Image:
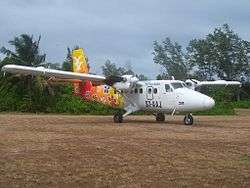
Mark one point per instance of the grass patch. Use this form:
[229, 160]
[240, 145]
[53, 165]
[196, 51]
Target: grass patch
[225, 108]
[241, 104]
[245, 159]
[219, 109]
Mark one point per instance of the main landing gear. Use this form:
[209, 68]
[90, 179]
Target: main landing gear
[160, 117]
[188, 119]
[118, 118]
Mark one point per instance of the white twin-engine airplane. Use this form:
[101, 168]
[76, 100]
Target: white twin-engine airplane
[157, 96]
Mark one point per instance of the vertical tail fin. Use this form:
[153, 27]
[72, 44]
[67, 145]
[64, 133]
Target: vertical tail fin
[80, 65]
[80, 61]
[103, 93]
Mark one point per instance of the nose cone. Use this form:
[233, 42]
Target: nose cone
[192, 101]
[208, 102]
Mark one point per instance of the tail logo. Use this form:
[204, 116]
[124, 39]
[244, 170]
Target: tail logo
[79, 61]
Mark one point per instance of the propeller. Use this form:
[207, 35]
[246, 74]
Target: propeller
[124, 82]
[111, 80]
[191, 83]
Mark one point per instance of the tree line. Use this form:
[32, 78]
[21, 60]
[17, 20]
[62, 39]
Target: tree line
[221, 54]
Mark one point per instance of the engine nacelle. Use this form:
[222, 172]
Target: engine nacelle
[128, 83]
[191, 83]
[122, 85]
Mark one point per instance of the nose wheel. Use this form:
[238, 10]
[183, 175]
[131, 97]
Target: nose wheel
[188, 119]
[160, 117]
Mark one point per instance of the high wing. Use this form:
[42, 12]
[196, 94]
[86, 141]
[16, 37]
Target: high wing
[52, 73]
[193, 84]
[124, 82]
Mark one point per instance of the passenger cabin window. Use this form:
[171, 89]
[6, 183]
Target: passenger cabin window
[106, 89]
[167, 87]
[140, 90]
[177, 85]
[149, 91]
[155, 90]
[136, 90]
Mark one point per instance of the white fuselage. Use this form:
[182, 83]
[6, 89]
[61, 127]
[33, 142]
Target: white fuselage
[168, 96]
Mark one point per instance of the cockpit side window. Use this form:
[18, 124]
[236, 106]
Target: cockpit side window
[184, 84]
[177, 85]
[141, 90]
[168, 88]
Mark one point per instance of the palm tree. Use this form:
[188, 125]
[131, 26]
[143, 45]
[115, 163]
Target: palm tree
[26, 52]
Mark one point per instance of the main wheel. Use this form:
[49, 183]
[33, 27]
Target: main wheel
[118, 118]
[160, 117]
[188, 119]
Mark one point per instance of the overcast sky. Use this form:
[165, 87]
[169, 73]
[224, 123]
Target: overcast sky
[122, 31]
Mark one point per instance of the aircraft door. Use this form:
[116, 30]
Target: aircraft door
[169, 98]
[149, 93]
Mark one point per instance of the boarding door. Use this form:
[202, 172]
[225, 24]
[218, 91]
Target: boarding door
[149, 93]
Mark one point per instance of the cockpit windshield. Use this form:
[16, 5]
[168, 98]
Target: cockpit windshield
[177, 85]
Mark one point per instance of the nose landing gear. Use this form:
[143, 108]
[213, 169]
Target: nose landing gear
[188, 119]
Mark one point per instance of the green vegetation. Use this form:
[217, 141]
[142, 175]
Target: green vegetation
[219, 109]
[75, 105]
[245, 159]
[110, 69]
[225, 101]
[221, 54]
[37, 94]
[225, 108]
[241, 104]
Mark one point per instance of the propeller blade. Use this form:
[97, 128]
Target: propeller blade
[110, 80]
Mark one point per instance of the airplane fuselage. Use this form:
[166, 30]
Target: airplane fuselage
[167, 96]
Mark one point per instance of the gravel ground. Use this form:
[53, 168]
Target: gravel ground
[92, 151]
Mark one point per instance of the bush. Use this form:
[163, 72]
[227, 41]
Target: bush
[76, 105]
[241, 104]
[220, 108]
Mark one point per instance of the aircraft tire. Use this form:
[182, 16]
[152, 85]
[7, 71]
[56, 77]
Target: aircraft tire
[118, 118]
[160, 117]
[188, 119]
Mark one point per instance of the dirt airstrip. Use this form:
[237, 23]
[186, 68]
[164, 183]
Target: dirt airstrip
[92, 151]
